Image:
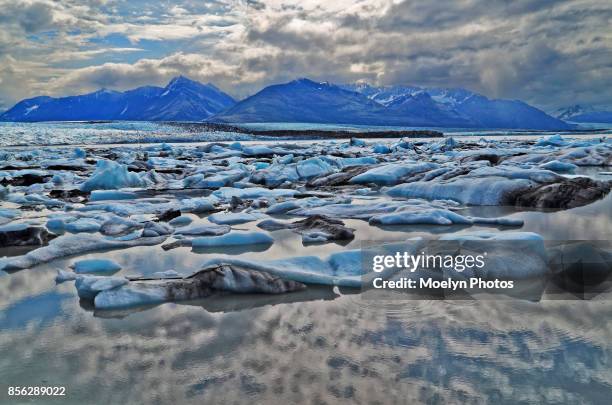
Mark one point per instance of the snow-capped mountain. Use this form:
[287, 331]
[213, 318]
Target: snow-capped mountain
[301, 100]
[181, 100]
[384, 94]
[584, 114]
[305, 100]
[566, 113]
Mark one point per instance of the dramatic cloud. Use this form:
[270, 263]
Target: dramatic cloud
[549, 53]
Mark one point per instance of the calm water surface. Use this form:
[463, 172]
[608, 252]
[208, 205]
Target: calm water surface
[319, 346]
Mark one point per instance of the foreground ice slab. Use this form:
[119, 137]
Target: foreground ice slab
[343, 268]
[202, 284]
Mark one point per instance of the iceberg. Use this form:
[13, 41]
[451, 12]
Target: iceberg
[110, 175]
[313, 167]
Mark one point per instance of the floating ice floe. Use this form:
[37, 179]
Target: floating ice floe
[437, 216]
[203, 230]
[182, 220]
[235, 238]
[310, 202]
[483, 191]
[89, 286]
[392, 173]
[82, 225]
[68, 245]
[234, 218]
[100, 195]
[95, 266]
[227, 193]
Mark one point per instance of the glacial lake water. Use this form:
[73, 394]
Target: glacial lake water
[128, 132]
[323, 345]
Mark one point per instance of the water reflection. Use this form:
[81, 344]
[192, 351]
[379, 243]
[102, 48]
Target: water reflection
[320, 351]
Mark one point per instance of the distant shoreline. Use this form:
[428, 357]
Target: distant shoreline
[305, 133]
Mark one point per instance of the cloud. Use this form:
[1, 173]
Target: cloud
[149, 71]
[31, 17]
[548, 53]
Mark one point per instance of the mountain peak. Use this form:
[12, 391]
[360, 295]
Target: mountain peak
[309, 82]
[181, 80]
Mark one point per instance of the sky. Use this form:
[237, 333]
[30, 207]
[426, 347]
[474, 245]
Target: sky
[549, 53]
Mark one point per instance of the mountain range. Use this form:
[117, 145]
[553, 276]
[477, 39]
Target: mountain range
[304, 100]
[181, 100]
[583, 114]
[300, 100]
